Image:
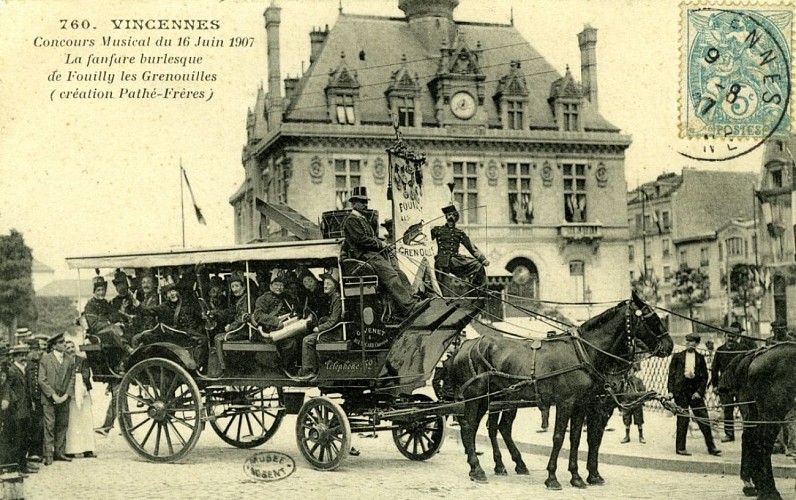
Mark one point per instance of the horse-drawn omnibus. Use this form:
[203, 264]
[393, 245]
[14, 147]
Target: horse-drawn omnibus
[368, 368]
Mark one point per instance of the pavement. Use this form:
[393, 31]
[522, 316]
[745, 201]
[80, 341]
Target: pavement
[658, 452]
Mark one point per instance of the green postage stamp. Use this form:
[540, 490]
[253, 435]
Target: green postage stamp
[736, 74]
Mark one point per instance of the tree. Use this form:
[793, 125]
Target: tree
[746, 286]
[16, 282]
[55, 314]
[691, 287]
[646, 286]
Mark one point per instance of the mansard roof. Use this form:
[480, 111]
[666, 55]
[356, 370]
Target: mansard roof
[380, 43]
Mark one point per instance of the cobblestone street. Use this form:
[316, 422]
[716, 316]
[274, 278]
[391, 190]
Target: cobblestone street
[215, 470]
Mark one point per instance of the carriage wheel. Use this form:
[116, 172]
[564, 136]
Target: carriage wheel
[420, 439]
[323, 433]
[245, 416]
[159, 408]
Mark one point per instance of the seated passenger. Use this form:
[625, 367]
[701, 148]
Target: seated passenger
[102, 318]
[315, 300]
[174, 313]
[309, 361]
[236, 316]
[147, 296]
[123, 302]
[271, 305]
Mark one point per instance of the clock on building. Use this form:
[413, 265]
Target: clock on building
[463, 105]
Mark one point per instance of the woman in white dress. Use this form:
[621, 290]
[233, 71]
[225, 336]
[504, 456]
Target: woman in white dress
[80, 433]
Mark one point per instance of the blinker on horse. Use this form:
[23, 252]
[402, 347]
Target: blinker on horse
[569, 371]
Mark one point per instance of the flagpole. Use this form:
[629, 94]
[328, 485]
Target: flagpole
[182, 206]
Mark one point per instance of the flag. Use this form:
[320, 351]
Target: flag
[657, 221]
[197, 210]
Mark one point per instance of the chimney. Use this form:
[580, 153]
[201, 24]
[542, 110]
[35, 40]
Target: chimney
[272, 20]
[317, 39]
[431, 21]
[587, 40]
[290, 87]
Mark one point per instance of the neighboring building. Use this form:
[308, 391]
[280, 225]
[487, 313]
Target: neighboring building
[538, 171]
[684, 221]
[778, 254]
[41, 273]
[78, 291]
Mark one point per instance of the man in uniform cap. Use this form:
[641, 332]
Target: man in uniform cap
[57, 382]
[272, 304]
[688, 380]
[779, 332]
[102, 318]
[234, 318]
[448, 258]
[15, 402]
[362, 244]
[735, 345]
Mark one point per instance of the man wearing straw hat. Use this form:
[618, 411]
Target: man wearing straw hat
[361, 243]
[15, 401]
[448, 258]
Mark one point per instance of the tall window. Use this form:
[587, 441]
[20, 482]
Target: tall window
[734, 247]
[345, 109]
[776, 178]
[280, 184]
[665, 247]
[639, 227]
[667, 274]
[578, 274]
[666, 222]
[465, 189]
[574, 192]
[631, 252]
[704, 256]
[347, 175]
[571, 117]
[514, 115]
[520, 204]
[406, 111]
[683, 259]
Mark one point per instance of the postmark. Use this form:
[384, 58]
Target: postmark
[735, 78]
[269, 466]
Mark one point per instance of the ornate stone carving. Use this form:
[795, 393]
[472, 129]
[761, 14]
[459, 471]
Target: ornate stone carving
[547, 174]
[316, 170]
[438, 172]
[379, 171]
[601, 174]
[492, 173]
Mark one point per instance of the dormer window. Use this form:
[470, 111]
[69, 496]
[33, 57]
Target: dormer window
[512, 97]
[342, 94]
[514, 115]
[566, 100]
[406, 111]
[571, 112]
[345, 109]
[402, 95]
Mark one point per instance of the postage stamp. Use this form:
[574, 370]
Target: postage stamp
[736, 73]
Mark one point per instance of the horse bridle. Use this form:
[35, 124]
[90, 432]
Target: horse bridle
[644, 317]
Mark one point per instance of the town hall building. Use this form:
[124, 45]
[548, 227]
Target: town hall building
[537, 171]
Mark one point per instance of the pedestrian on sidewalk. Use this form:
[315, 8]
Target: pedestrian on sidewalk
[688, 380]
[636, 414]
[57, 382]
[734, 346]
[79, 433]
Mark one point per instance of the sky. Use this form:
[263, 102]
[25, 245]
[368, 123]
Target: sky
[92, 176]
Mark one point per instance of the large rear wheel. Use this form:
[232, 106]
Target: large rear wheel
[246, 416]
[159, 408]
[422, 438]
[323, 433]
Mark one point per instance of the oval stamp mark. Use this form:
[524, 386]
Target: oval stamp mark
[269, 466]
[736, 84]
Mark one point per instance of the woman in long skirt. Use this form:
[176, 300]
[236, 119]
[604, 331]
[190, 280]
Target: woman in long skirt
[80, 433]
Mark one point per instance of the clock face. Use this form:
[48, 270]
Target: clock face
[463, 105]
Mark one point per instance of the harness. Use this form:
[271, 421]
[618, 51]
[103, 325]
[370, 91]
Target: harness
[585, 362]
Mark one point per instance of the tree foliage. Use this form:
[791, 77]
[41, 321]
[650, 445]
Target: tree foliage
[646, 286]
[691, 287]
[746, 285]
[16, 282]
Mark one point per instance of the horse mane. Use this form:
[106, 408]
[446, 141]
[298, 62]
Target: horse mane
[601, 319]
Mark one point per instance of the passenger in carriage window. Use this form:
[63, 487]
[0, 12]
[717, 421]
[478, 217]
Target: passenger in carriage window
[176, 312]
[272, 304]
[316, 301]
[147, 296]
[309, 361]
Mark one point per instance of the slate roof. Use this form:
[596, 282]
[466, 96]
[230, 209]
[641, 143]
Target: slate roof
[384, 40]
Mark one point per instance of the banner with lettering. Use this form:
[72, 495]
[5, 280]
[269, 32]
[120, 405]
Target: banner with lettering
[413, 246]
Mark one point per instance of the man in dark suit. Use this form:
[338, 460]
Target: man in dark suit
[361, 243]
[15, 401]
[38, 346]
[57, 382]
[726, 352]
[688, 379]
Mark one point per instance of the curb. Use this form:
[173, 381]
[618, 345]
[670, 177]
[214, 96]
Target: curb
[665, 464]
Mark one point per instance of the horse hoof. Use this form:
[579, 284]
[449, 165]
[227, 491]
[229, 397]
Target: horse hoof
[522, 471]
[596, 480]
[552, 484]
[478, 477]
[577, 482]
[749, 491]
[501, 472]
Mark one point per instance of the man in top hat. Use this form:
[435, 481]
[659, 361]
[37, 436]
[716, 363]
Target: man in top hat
[448, 258]
[735, 345]
[361, 243]
[57, 382]
[688, 380]
[15, 402]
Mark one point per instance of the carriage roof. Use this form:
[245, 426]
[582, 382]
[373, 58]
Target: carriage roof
[314, 250]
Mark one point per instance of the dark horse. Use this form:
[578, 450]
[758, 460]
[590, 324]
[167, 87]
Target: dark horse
[767, 378]
[569, 371]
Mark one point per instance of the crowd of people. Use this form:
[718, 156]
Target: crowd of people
[45, 404]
